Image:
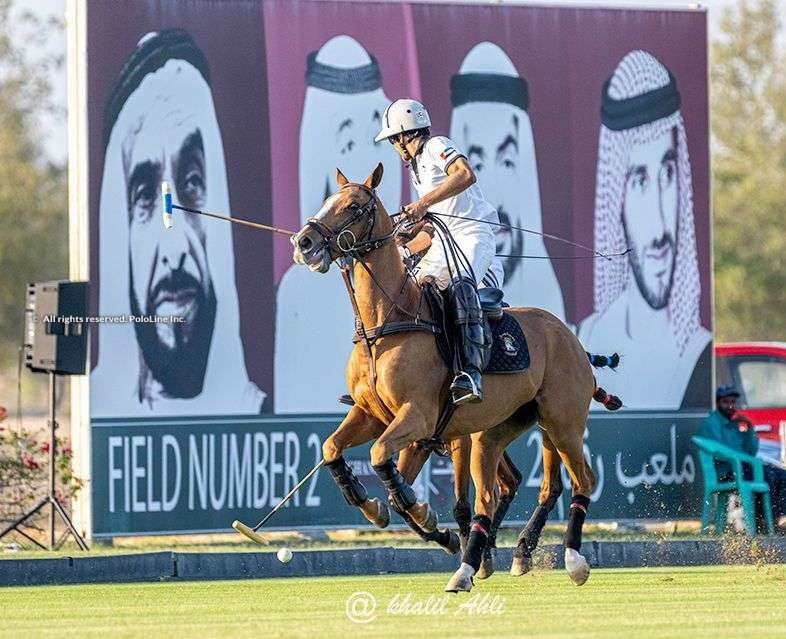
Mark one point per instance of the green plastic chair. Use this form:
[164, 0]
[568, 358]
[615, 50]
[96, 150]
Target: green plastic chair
[719, 491]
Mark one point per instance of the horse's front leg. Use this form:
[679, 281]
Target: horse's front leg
[409, 426]
[411, 461]
[357, 428]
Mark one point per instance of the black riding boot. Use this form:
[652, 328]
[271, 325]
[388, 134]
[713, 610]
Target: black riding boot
[471, 346]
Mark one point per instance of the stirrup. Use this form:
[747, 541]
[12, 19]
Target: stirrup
[463, 392]
[346, 399]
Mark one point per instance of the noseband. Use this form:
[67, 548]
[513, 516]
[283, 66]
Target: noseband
[344, 238]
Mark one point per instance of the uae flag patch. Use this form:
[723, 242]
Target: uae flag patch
[447, 153]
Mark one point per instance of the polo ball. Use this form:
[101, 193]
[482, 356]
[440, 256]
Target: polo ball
[284, 555]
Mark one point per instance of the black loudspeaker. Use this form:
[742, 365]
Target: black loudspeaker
[56, 328]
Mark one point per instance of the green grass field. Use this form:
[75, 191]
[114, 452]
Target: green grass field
[744, 601]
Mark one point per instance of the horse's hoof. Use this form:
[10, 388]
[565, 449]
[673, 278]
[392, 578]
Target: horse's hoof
[376, 511]
[461, 581]
[463, 539]
[424, 516]
[486, 565]
[520, 566]
[577, 567]
[454, 545]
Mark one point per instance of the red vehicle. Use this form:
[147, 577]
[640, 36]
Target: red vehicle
[758, 370]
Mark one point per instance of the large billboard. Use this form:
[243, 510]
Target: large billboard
[589, 125]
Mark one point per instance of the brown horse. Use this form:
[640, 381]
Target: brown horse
[399, 382]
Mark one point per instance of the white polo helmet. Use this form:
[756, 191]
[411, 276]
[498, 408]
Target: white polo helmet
[401, 116]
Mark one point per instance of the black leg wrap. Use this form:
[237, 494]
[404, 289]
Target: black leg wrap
[400, 493]
[478, 537]
[442, 537]
[354, 492]
[407, 518]
[499, 515]
[529, 537]
[578, 513]
[462, 513]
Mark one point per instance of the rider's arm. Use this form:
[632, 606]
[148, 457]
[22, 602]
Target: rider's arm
[460, 178]
[419, 243]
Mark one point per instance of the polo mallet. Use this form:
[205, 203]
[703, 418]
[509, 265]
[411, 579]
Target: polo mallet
[251, 533]
[169, 206]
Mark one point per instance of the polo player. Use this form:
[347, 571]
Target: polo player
[446, 184]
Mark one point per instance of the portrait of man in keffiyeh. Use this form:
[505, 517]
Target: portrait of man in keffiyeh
[647, 303]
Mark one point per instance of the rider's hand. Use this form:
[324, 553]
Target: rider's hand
[415, 211]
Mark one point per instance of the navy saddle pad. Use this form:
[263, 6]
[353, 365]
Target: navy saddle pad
[509, 352]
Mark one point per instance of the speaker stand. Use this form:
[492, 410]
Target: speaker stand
[51, 498]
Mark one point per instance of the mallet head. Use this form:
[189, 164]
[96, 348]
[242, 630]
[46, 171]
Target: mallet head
[244, 530]
[166, 199]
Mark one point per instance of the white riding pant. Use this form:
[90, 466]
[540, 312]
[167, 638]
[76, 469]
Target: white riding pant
[476, 242]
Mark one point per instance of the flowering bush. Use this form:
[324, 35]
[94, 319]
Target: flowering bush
[24, 473]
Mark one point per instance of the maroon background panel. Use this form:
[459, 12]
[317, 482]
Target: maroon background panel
[566, 54]
[257, 54]
[232, 38]
[292, 31]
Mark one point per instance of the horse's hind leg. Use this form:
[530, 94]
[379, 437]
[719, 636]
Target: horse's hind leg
[357, 428]
[508, 482]
[460, 453]
[582, 480]
[487, 448]
[550, 491]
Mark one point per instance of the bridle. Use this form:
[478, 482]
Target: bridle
[347, 242]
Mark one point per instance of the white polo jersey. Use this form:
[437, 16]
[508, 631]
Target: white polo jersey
[473, 238]
[432, 165]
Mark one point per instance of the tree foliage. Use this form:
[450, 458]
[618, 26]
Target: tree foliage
[33, 192]
[748, 111]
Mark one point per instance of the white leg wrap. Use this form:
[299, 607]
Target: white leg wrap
[577, 567]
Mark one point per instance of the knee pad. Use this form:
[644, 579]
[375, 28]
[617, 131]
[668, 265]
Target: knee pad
[464, 302]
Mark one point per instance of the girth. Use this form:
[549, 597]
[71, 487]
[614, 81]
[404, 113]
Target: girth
[423, 326]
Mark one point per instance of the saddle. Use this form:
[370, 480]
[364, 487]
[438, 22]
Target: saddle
[508, 352]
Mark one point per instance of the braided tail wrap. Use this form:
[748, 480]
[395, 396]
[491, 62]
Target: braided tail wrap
[611, 402]
[599, 361]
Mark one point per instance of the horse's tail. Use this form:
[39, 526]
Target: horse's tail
[599, 361]
[611, 402]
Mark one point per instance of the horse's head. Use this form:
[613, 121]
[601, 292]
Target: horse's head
[343, 225]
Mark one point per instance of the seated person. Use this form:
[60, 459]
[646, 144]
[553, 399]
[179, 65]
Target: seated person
[736, 431]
